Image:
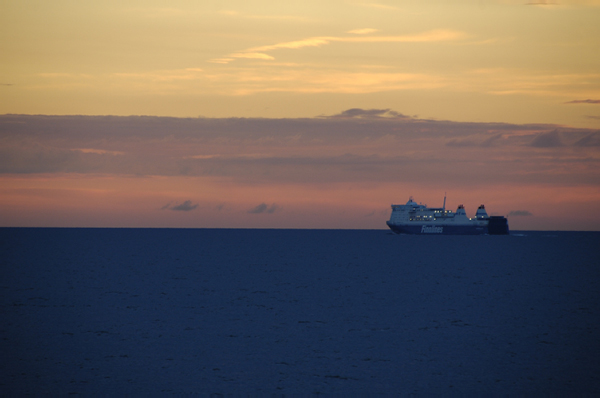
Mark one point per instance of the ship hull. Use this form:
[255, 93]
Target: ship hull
[437, 229]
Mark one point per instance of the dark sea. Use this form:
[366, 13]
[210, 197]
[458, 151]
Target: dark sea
[226, 312]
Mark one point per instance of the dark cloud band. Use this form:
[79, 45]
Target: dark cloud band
[362, 146]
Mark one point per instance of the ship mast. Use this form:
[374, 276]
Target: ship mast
[444, 207]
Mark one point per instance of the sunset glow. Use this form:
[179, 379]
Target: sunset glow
[298, 115]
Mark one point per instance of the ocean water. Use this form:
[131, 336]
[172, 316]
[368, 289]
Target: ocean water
[225, 312]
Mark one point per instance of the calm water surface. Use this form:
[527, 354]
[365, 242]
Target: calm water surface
[150, 311]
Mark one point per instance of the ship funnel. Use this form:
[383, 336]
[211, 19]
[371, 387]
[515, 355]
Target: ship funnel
[481, 213]
[461, 211]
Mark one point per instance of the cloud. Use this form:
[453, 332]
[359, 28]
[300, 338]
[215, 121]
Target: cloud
[541, 3]
[591, 140]
[98, 151]
[586, 101]
[354, 146]
[164, 76]
[368, 113]
[363, 31]
[461, 143]
[185, 206]
[253, 55]
[436, 35]
[547, 140]
[491, 141]
[237, 14]
[221, 60]
[309, 42]
[305, 81]
[475, 141]
[263, 208]
[557, 4]
[519, 213]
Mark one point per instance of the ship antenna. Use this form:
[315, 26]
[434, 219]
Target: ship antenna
[444, 207]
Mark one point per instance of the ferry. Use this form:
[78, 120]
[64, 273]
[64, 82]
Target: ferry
[413, 218]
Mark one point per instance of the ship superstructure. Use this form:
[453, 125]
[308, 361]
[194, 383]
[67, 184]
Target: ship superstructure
[414, 218]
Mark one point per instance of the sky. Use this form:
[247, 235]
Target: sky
[260, 114]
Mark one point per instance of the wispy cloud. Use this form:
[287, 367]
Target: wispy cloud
[586, 101]
[520, 213]
[266, 75]
[437, 35]
[591, 140]
[554, 3]
[163, 75]
[541, 3]
[547, 140]
[368, 113]
[185, 206]
[151, 12]
[430, 36]
[237, 14]
[221, 60]
[254, 55]
[476, 141]
[309, 42]
[512, 81]
[363, 31]
[99, 151]
[306, 80]
[264, 208]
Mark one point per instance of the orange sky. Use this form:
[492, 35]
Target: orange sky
[298, 114]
